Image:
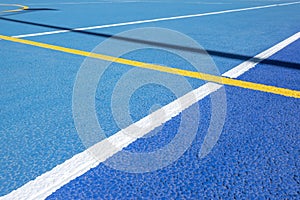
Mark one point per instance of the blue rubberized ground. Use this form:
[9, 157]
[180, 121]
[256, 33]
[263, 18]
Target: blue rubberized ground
[257, 155]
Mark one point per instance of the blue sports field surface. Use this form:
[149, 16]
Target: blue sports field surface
[257, 152]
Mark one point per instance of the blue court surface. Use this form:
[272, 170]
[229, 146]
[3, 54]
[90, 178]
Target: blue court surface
[150, 99]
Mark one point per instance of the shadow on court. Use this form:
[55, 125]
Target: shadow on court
[159, 44]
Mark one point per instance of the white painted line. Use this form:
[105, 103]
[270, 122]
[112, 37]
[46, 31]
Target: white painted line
[155, 20]
[49, 182]
[247, 65]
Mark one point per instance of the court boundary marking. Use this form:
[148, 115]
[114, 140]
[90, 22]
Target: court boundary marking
[155, 20]
[176, 71]
[21, 8]
[47, 183]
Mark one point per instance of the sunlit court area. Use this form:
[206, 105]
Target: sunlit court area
[149, 99]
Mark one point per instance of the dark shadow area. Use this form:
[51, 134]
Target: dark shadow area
[40, 9]
[170, 46]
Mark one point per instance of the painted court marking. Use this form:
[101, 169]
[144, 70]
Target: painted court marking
[170, 70]
[49, 182]
[20, 8]
[157, 20]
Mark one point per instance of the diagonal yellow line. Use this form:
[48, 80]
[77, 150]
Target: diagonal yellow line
[197, 75]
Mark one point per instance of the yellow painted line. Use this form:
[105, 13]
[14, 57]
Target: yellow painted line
[21, 7]
[186, 73]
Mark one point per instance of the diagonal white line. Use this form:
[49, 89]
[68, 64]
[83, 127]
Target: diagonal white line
[49, 182]
[155, 20]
